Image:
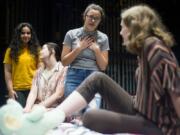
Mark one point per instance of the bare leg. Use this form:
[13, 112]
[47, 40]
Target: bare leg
[73, 103]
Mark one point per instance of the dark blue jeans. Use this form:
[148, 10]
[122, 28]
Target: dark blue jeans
[74, 78]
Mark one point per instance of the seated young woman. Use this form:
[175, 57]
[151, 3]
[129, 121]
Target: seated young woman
[48, 83]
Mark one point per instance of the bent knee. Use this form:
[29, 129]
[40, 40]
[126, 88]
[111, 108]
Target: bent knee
[98, 75]
[89, 119]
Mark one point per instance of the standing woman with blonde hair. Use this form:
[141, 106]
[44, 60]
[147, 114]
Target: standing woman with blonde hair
[21, 61]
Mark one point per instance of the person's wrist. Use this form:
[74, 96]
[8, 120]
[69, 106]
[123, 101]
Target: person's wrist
[78, 48]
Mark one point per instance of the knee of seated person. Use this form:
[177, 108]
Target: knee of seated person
[98, 75]
[88, 119]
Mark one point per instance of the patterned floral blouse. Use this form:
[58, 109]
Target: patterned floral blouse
[47, 82]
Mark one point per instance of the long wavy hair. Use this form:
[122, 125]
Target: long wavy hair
[16, 42]
[144, 22]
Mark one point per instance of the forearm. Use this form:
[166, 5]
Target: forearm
[51, 100]
[31, 99]
[102, 60]
[9, 83]
[70, 57]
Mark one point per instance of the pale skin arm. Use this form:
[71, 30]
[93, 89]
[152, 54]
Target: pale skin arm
[68, 55]
[8, 80]
[32, 96]
[54, 97]
[101, 56]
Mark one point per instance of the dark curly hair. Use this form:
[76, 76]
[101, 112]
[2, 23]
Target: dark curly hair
[16, 42]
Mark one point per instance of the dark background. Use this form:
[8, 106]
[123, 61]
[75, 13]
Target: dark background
[53, 18]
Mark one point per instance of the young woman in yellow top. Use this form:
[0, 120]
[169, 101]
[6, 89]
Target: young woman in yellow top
[21, 61]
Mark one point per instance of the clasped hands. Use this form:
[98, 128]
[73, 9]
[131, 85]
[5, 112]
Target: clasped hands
[88, 42]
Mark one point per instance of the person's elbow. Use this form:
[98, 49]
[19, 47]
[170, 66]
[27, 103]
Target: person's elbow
[64, 62]
[59, 95]
[103, 67]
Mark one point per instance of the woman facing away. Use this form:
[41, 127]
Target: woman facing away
[48, 83]
[85, 49]
[21, 61]
[155, 109]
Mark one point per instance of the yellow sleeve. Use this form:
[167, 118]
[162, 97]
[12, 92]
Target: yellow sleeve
[7, 58]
